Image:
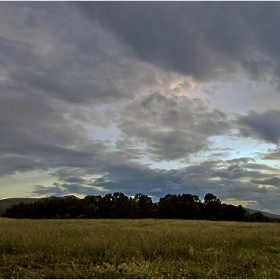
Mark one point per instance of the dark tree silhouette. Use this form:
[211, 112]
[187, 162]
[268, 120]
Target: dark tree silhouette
[119, 206]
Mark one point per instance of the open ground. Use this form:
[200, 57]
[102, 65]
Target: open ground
[138, 249]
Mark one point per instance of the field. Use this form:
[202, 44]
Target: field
[138, 249]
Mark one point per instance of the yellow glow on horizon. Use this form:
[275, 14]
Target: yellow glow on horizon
[237, 202]
[21, 184]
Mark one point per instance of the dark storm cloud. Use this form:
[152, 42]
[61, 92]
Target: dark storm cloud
[27, 81]
[264, 126]
[196, 38]
[29, 72]
[69, 58]
[15, 53]
[44, 74]
[24, 68]
[162, 34]
[46, 82]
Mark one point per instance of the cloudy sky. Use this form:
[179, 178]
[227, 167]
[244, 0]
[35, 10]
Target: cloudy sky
[150, 97]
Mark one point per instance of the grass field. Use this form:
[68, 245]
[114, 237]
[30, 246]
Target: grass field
[138, 249]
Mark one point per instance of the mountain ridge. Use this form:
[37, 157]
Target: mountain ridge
[269, 215]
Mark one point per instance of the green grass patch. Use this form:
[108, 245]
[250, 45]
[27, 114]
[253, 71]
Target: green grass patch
[138, 249]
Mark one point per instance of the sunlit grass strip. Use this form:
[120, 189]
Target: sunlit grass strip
[138, 249]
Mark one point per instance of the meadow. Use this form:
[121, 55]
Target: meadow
[138, 249]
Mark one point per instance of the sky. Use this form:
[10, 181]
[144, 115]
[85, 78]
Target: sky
[141, 97]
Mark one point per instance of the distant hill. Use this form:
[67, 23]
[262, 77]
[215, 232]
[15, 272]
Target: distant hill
[6, 203]
[269, 215]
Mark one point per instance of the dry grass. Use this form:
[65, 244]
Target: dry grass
[138, 249]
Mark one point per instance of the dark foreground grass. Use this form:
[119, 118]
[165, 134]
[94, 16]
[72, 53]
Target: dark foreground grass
[138, 249]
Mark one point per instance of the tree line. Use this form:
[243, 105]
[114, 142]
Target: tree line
[139, 206]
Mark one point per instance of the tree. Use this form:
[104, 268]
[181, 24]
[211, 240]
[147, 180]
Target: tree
[104, 206]
[118, 205]
[256, 217]
[121, 207]
[210, 197]
[144, 205]
[168, 207]
[213, 209]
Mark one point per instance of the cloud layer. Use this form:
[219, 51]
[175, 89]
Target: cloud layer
[138, 97]
[196, 38]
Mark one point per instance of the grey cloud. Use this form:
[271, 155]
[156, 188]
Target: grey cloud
[36, 132]
[16, 53]
[128, 177]
[240, 160]
[55, 190]
[274, 181]
[99, 180]
[266, 21]
[74, 180]
[147, 38]
[239, 168]
[64, 76]
[238, 173]
[46, 82]
[273, 155]
[196, 37]
[133, 178]
[20, 155]
[264, 126]
[257, 166]
[70, 80]
[236, 168]
[246, 191]
[77, 188]
[64, 189]
[171, 127]
[13, 163]
[50, 60]
[268, 202]
[209, 164]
